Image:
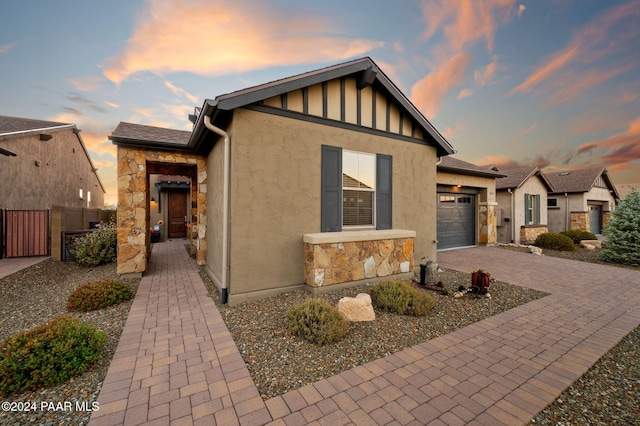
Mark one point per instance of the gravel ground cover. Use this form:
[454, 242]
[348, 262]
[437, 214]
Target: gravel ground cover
[607, 394]
[279, 362]
[36, 295]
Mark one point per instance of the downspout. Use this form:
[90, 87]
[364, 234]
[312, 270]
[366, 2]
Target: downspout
[513, 223]
[567, 214]
[225, 205]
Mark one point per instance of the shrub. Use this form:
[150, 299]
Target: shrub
[97, 247]
[623, 232]
[97, 295]
[401, 298]
[48, 355]
[578, 235]
[316, 321]
[553, 241]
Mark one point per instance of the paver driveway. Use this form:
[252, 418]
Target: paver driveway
[177, 364]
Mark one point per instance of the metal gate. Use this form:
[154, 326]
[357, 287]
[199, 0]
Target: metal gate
[26, 233]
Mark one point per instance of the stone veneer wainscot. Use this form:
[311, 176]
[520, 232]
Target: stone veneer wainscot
[340, 257]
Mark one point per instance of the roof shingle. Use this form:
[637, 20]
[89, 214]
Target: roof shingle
[570, 181]
[151, 134]
[17, 124]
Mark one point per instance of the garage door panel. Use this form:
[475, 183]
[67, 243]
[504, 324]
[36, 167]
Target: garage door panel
[456, 220]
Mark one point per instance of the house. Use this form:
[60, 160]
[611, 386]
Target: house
[466, 204]
[522, 200]
[580, 199]
[45, 163]
[315, 181]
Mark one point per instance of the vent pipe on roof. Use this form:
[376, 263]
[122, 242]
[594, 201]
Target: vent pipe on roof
[225, 205]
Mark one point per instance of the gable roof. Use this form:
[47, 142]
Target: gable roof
[150, 136]
[453, 165]
[15, 127]
[581, 180]
[366, 72]
[515, 178]
[18, 127]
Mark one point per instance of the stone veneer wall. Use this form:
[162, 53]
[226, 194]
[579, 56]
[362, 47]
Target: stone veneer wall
[580, 220]
[606, 217]
[529, 233]
[487, 220]
[334, 263]
[133, 191]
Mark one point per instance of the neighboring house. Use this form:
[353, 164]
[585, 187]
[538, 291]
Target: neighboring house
[44, 163]
[522, 201]
[581, 199]
[323, 179]
[466, 204]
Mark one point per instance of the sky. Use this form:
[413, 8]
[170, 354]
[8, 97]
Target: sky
[550, 83]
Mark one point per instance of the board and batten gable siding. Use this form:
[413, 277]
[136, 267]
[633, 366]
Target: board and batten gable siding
[276, 185]
[341, 100]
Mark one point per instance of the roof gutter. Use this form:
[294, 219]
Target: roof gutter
[225, 205]
[19, 133]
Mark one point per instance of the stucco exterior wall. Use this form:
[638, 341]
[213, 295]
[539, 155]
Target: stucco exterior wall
[47, 173]
[578, 206]
[215, 188]
[275, 194]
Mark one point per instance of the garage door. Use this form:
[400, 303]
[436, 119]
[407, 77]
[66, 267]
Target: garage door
[456, 220]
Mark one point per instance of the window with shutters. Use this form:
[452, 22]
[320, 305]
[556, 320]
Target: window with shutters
[358, 188]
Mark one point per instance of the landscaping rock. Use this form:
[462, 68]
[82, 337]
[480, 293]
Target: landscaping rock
[535, 250]
[356, 309]
[593, 243]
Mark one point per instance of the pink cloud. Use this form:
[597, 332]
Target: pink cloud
[618, 150]
[483, 76]
[462, 24]
[602, 40]
[427, 94]
[215, 39]
[521, 9]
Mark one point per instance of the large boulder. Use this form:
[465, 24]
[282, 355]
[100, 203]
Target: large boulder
[357, 308]
[594, 243]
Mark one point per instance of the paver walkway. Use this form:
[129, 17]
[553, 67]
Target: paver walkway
[12, 265]
[176, 362]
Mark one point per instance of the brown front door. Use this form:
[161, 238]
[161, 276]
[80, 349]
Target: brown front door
[177, 214]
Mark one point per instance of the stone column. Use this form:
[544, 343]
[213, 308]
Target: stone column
[488, 234]
[580, 220]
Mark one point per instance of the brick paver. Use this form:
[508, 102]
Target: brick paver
[177, 363]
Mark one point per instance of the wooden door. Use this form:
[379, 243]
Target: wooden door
[177, 214]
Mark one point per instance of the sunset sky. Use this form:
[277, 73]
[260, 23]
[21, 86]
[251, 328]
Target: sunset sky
[552, 83]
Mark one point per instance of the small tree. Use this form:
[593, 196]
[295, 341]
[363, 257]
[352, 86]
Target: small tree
[623, 232]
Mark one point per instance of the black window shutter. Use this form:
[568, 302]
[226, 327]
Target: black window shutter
[383, 191]
[331, 196]
[538, 219]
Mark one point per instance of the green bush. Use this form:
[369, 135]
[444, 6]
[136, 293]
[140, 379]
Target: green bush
[97, 295]
[401, 298]
[99, 246]
[553, 241]
[623, 232]
[316, 321]
[48, 355]
[578, 235]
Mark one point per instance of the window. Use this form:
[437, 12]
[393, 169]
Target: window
[88, 199]
[356, 189]
[447, 198]
[531, 209]
[552, 202]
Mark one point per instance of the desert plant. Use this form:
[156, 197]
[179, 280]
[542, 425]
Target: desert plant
[316, 321]
[48, 355]
[578, 235]
[98, 294]
[623, 232]
[401, 298]
[554, 241]
[97, 247]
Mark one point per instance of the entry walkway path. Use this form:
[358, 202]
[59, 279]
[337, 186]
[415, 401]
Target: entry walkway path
[176, 362]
